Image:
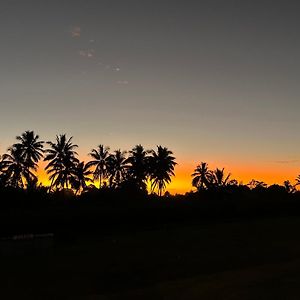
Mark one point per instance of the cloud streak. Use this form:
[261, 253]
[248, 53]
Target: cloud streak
[292, 161]
[122, 82]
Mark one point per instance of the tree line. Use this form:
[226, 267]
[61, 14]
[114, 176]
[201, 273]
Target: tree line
[207, 179]
[109, 170]
[110, 190]
[18, 167]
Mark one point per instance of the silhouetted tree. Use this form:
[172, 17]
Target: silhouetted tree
[289, 187]
[200, 176]
[256, 184]
[31, 147]
[277, 190]
[100, 161]
[162, 165]
[31, 151]
[80, 177]
[14, 169]
[117, 167]
[138, 168]
[62, 161]
[297, 181]
[218, 178]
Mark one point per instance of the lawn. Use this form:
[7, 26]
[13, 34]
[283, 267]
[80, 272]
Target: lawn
[258, 259]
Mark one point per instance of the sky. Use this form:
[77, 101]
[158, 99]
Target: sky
[214, 81]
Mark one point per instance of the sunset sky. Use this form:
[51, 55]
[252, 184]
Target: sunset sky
[214, 81]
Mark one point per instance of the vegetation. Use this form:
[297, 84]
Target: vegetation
[65, 171]
[123, 188]
[100, 162]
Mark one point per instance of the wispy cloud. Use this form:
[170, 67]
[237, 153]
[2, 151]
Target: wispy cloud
[292, 161]
[122, 82]
[75, 31]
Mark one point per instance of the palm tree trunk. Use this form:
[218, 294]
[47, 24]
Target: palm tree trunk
[51, 185]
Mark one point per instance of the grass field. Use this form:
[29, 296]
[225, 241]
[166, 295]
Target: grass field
[257, 259]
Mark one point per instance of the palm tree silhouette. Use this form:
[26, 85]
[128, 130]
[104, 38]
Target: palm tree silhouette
[81, 177]
[117, 168]
[201, 176]
[162, 165]
[218, 178]
[62, 162]
[100, 161]
[14, 169]
[138, 169]
[31, 150]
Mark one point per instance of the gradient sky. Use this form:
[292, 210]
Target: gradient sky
[214, 81]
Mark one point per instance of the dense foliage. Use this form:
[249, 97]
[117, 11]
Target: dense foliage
[111, 191]
[18, 167]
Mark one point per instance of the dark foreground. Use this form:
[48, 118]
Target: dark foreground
[258, 259]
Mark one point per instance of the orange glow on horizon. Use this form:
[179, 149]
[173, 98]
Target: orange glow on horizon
[270, 173]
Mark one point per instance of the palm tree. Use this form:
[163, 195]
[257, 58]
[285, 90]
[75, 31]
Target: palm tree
[81, 177]
[162, 165]
[219, 179]
[62, 162]
[200, 176]
[13, 168]
[117, 167]
[100, 160]
[138, 169]
[31, 150]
